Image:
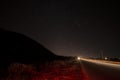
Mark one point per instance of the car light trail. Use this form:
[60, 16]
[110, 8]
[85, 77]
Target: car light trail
[106, 63]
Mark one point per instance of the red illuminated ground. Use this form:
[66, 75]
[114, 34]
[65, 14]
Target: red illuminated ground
[57, 70]
[83, 69]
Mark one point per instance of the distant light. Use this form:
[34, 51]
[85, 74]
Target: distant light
[78, 58]
[106, 58]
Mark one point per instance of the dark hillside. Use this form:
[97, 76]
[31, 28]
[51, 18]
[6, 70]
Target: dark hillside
[15, 47]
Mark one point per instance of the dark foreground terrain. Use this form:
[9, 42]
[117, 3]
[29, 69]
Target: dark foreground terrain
[56, 70]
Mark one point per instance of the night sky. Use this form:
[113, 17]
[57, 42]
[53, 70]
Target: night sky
[68, 27]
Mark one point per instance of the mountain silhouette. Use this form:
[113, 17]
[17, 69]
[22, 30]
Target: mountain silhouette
[16, 47]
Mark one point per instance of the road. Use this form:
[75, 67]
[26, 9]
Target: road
[96, 70]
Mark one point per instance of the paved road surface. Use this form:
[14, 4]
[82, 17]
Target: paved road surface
[96, 70]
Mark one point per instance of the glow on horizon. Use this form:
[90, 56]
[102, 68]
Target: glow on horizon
[78, 58]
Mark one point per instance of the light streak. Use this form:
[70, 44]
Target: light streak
[100, 62]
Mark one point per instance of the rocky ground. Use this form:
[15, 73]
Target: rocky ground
[56, 70]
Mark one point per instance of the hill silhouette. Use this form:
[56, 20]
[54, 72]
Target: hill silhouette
[16, 47]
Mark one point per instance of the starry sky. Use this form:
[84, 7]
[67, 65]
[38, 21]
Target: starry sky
[66, 27]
